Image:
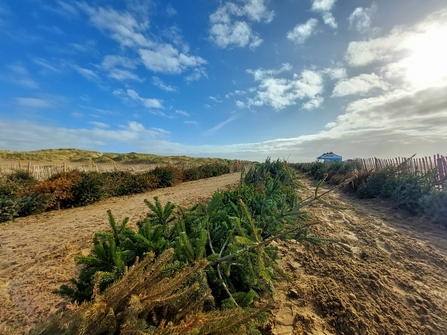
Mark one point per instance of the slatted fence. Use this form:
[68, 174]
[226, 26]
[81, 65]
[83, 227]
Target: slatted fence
[437, 165]
[43, 172]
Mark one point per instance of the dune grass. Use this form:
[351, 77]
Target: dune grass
[76, 155]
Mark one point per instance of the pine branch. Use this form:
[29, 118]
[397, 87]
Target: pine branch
[263, 243]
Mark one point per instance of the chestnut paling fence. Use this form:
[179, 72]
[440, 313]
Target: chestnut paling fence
[428, 164]
[42, 172]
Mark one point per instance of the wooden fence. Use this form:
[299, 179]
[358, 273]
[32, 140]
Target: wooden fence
[436, 164]
[43, 172]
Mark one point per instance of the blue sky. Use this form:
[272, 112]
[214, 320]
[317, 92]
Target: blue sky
[234, 79]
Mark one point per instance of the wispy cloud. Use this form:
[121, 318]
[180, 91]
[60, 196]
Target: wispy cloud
[302, 32]
[99, 124]
[111, 61]
[196, 74]
[86, 73]
[18, 75]
[34, 102]
[260, 74]
[181, 112]
[171, 10]
[221, 125]
[46, 65]
[122, 75]
[156, 81]
[227, 32]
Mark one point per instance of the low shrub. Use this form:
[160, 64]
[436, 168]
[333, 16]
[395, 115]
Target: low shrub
[434, 206]
[9, 208]
[167, 176]
[55, 191]
[89, 189]
[372, 187]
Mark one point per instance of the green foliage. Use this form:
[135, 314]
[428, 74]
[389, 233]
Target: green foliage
[161, 215]
[17, 183]
[22, 195]
[9, 208]
[149, 299]
[276, 170]
[231, 221]
[167, 176]
[434, 206]
[88, 190]
[120, 183]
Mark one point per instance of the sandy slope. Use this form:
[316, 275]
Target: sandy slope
[388, 274]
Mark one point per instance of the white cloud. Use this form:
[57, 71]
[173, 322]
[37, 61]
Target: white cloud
[194, 123]
[228, 30]
[361, 18]
[111, 61]
[196, 74]
[170, 10]
[149, 103]
[398, 123]
[260, 74]
[46, 65]
[359, 85]
[211, 131]
[124, 27]
[34, 102]
[336, 73]
[165, 58]
[159, 83]
[324, 7]
[215, 99]
[280, 93]
[302, 32]
[236, 34]
[412, 55]
[178, 111]
[86, 73]
[99, 124]
[19, 75]
[131, 30]
[121, 75]
[329, 19]
[241, 104]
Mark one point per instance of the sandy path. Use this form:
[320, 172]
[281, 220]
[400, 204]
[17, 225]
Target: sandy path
[37, 252]
[388, 274]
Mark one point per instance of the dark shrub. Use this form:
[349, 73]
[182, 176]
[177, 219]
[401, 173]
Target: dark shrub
[88, 190]
[167, 176]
